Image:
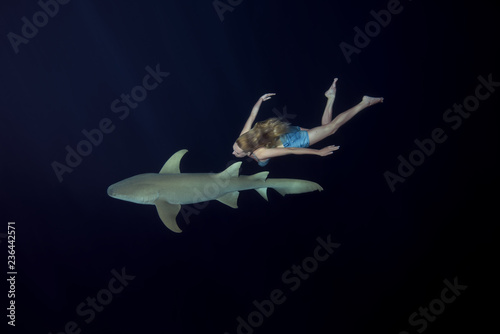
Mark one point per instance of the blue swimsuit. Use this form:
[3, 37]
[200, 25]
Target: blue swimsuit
[295, 138]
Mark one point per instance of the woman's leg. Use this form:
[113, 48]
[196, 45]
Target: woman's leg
[330, 95]
[321, 132]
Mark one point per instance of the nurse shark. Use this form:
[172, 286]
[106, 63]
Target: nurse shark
[169, 189]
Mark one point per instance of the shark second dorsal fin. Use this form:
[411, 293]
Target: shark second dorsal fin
[259, 176]
[172, 164]
[262, 176]
[231, 171]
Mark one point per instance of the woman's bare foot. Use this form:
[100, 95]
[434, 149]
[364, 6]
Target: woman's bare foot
[330, 93]
[372, 100]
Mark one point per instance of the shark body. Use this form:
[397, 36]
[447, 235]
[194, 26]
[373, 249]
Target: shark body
[169, 189]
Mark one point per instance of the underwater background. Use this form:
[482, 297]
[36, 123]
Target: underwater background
[403, 232]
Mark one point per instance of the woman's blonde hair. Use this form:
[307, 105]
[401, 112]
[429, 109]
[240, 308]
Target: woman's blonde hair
[264, 134]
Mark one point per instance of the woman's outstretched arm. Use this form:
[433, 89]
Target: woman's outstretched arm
[255, 111]
[266, 153]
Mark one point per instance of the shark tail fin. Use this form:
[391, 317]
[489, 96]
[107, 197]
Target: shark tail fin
[262, 176]
[293, 186]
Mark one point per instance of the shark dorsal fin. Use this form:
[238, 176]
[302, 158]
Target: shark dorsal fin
[231, 171]
[172, 164]
[259, 176]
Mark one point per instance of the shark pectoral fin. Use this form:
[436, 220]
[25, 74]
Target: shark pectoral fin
[168, 214]
[230, 199]
[263, 193]
[172, 164]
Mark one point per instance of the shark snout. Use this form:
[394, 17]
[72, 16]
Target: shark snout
[111, 192]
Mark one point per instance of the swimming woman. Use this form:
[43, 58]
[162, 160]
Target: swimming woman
[273, 137]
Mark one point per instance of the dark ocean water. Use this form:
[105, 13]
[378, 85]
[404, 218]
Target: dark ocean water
[393, 248]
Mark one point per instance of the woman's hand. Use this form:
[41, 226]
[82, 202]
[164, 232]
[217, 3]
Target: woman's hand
[255, 111]
[327, 150]
[267, 96]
